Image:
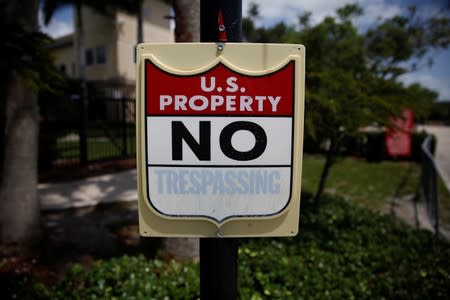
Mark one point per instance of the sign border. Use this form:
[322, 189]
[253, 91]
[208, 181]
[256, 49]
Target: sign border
[247, 56]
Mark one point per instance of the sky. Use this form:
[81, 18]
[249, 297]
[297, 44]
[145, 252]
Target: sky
[436, 77]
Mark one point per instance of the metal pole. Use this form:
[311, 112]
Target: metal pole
[218, 256]
[232, 17]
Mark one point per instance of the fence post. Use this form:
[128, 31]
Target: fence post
[83, 123]
[124, 127]
[429, 184]
[218, 256]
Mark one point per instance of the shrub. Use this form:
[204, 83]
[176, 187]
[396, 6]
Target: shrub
[342, 252]
[346, 252]
[371, 145]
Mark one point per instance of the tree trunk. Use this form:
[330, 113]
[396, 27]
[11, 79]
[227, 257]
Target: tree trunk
[329, 162]
[187, 19]
[140, 24]
[79, 49]
[19, 204]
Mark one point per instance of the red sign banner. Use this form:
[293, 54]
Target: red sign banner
[219, 91]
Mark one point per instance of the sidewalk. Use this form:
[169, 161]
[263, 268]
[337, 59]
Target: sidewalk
[115, 187]
[121, 186]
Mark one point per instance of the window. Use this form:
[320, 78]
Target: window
[89, 57]
[100, 55]
[62, 68]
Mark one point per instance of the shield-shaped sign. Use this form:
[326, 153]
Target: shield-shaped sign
[219, 139]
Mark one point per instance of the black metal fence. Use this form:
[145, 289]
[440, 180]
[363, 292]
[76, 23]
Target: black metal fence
[76, 131]
[430, 183]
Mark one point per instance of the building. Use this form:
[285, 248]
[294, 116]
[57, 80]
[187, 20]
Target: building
[109, 42]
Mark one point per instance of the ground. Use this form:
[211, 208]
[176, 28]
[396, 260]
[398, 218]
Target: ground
[87, 234]
[82, 235]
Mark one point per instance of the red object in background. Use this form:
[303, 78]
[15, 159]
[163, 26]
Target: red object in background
[399, 135]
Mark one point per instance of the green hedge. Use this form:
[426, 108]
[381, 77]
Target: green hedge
[440, 112]
[375, 150]
[371, 145]
[342, 252]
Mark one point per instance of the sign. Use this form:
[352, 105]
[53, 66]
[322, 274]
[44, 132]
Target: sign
[219, 139]
[399, 135]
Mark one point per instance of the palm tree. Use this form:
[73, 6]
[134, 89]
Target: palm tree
[19, 205]
[187, 20]
[187, 29]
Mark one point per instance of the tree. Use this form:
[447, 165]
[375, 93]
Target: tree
[399, 45]
[187, 29]
[26, 70]
[351, 77]
[187, 20]
[337, 103]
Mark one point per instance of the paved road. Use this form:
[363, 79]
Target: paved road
[442, 154]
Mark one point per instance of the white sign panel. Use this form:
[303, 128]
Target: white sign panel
[220, 143]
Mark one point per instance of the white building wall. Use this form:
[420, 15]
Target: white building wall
[156, 29]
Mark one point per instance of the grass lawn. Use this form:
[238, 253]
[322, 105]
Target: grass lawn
[371, 184]
[99, 146]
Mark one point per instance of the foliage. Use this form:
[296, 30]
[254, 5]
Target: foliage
[440, 111]
[126, 277]
[351, 77]
[28, 55]
[346, 252]
[342, 252]
[397, 40]
[372, 146]
[362, 182]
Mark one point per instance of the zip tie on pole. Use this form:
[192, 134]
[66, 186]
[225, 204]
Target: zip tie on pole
[222, 30]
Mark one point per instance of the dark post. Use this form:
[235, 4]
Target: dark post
[124, 127]
[218, 256]
[83, 123]
[232, 18]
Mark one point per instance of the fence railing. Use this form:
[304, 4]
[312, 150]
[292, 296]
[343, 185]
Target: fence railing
[429, 183]
[75, 132]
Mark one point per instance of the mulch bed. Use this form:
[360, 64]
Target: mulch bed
[76, 172]
[55, 254]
